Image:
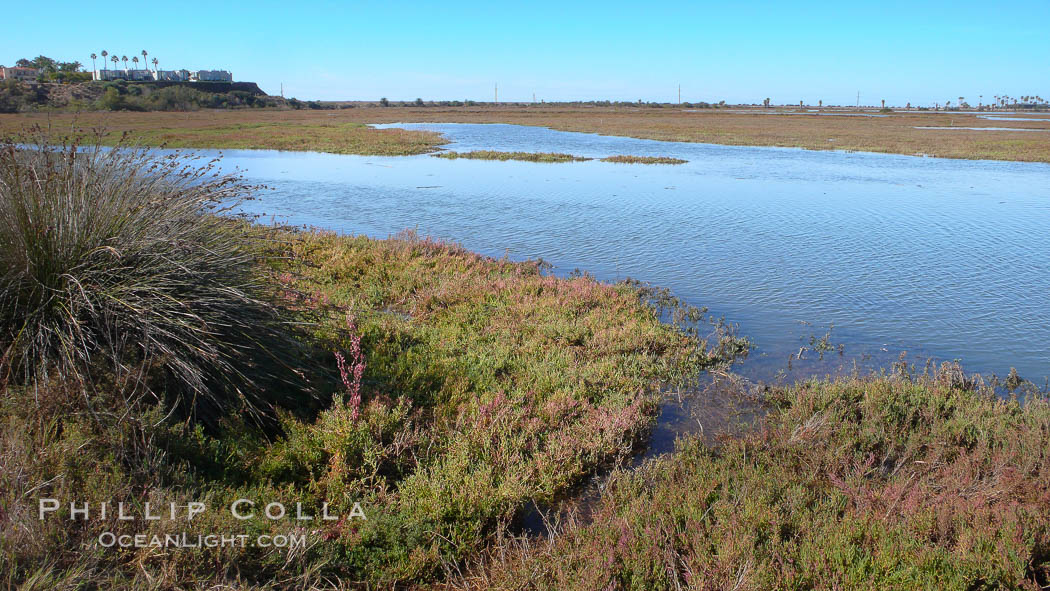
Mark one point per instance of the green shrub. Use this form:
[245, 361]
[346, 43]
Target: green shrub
[177, 98]
[12, 96]
[112, 100]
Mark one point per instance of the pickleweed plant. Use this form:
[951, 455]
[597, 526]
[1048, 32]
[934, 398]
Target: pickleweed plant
[352, 371]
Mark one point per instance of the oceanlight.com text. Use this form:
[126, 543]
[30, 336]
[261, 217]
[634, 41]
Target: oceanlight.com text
[185, 540]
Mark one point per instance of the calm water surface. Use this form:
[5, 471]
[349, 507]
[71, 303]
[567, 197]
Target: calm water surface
[945, 258]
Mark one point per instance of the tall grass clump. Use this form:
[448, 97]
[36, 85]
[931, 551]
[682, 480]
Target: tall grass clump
[116, 262]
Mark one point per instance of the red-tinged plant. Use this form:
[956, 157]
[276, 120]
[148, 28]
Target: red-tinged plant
[351, 372]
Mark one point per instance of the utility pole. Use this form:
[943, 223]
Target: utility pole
[495, 93]
[858, 98]
[679, 94]
[282, 89]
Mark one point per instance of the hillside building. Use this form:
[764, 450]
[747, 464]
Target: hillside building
[212, 76]
[164, 75]
[173, 75]
[17, 73]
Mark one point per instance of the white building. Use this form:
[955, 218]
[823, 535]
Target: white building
[211, 76]
[173, 75]
[18, 73]
[162, 75]
[122, 75]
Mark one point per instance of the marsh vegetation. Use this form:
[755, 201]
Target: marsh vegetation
[522, 156]
[304, 129]
[237, 129]
[905, 481]
[554, 157]
[144, 338]
[626, 159]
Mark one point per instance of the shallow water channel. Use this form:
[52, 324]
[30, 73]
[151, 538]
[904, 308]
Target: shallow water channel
[937, 257]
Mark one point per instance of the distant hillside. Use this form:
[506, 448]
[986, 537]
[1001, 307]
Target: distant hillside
[120, 95]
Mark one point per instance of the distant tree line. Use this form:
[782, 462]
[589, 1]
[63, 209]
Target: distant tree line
[385, 102]
[55, 71]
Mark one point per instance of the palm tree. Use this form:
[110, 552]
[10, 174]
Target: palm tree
[144, 60]
[135, 60]
[115, 60]
[104, 54]
[155, 67]
[125, 60]
[93, 56]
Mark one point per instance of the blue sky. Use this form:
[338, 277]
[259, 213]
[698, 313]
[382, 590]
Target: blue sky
[918, 52]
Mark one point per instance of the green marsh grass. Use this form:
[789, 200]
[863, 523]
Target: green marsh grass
[626, 159]
[861, 483]
[487, 385]
[523, 156]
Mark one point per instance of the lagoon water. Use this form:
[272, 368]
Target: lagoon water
[937, 257]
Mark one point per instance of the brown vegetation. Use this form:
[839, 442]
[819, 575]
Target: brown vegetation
[894, 133]
[233, 129]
